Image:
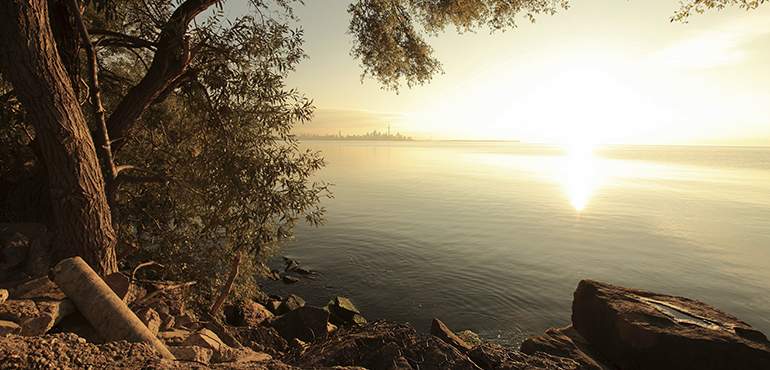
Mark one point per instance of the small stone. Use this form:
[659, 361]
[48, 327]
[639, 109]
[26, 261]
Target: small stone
[290, 279]
[345, 304]
[291, 303]
[3, 295]
[358, 320]
[208, 339]
[15, 250]
[302, 271]
[290, 265]
[173, 337]
[252, 314]
[274, 306]
[470, 338]
[41, 287]
[9, 327]
[192, 353]
[119, 284]
[441, 331]
[151, 319]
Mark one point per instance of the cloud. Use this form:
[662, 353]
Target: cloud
[721, 47]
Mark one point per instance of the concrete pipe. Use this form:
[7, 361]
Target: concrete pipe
[108, 314]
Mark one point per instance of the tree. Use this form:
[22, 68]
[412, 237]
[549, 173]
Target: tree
[208, 118]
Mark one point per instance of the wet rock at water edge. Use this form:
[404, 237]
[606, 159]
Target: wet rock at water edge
[291, 303]
[290, 279]
[438, 329]
[635, 329]
[290, 264]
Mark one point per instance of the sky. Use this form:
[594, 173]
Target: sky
[602, 71]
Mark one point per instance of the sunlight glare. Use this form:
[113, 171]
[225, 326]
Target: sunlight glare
[580, 170]
[583, 105]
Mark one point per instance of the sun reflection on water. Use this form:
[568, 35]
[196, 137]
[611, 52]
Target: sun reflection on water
[580, 169]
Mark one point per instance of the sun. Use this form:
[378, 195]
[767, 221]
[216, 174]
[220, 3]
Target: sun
[582, 106]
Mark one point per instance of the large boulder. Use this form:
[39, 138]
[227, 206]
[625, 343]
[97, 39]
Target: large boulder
[252, 314]
[636, 329]
[306, 323]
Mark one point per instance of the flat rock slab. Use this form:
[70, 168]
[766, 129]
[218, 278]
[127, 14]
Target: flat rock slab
[636, 329]
[567, 343]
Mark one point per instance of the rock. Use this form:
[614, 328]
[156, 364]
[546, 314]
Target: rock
[40, 255]
[470, 338]
[192, 353]
[440, 330]
[262, 339]
[41, 287]
[377, 346]
[119, 284]
[290, 279]
[290, 265]
[291, 303]
[252, 314]
[184, 320]
[207, 339]
[3, 295]
[14, 251]
[9, 327]
[35, 318]
[302, 271]
[37, 243]
[246, 355]
[167, 321]
[151, 319]
[18, 310]
[346, 309]
[565, 342]
[489, 355]
[358, 320]
[635, 329]
[400, 363]
[273, 306]
[54, 311]
[308, 324]
[173, 337]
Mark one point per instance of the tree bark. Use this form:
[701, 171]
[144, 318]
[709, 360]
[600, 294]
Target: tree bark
[30, 62]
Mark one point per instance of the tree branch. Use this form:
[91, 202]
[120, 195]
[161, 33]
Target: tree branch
[171, 60]
[103, 146]
[120, 39]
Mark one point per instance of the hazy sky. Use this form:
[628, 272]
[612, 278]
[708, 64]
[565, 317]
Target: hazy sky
[601, 71]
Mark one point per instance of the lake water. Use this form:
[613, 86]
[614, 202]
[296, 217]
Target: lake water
[494, 237]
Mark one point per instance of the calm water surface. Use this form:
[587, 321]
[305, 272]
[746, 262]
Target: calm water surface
[494, 237]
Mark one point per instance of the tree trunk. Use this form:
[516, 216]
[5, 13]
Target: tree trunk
[30, 61]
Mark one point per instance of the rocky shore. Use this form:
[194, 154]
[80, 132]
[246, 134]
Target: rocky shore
[613, 327]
